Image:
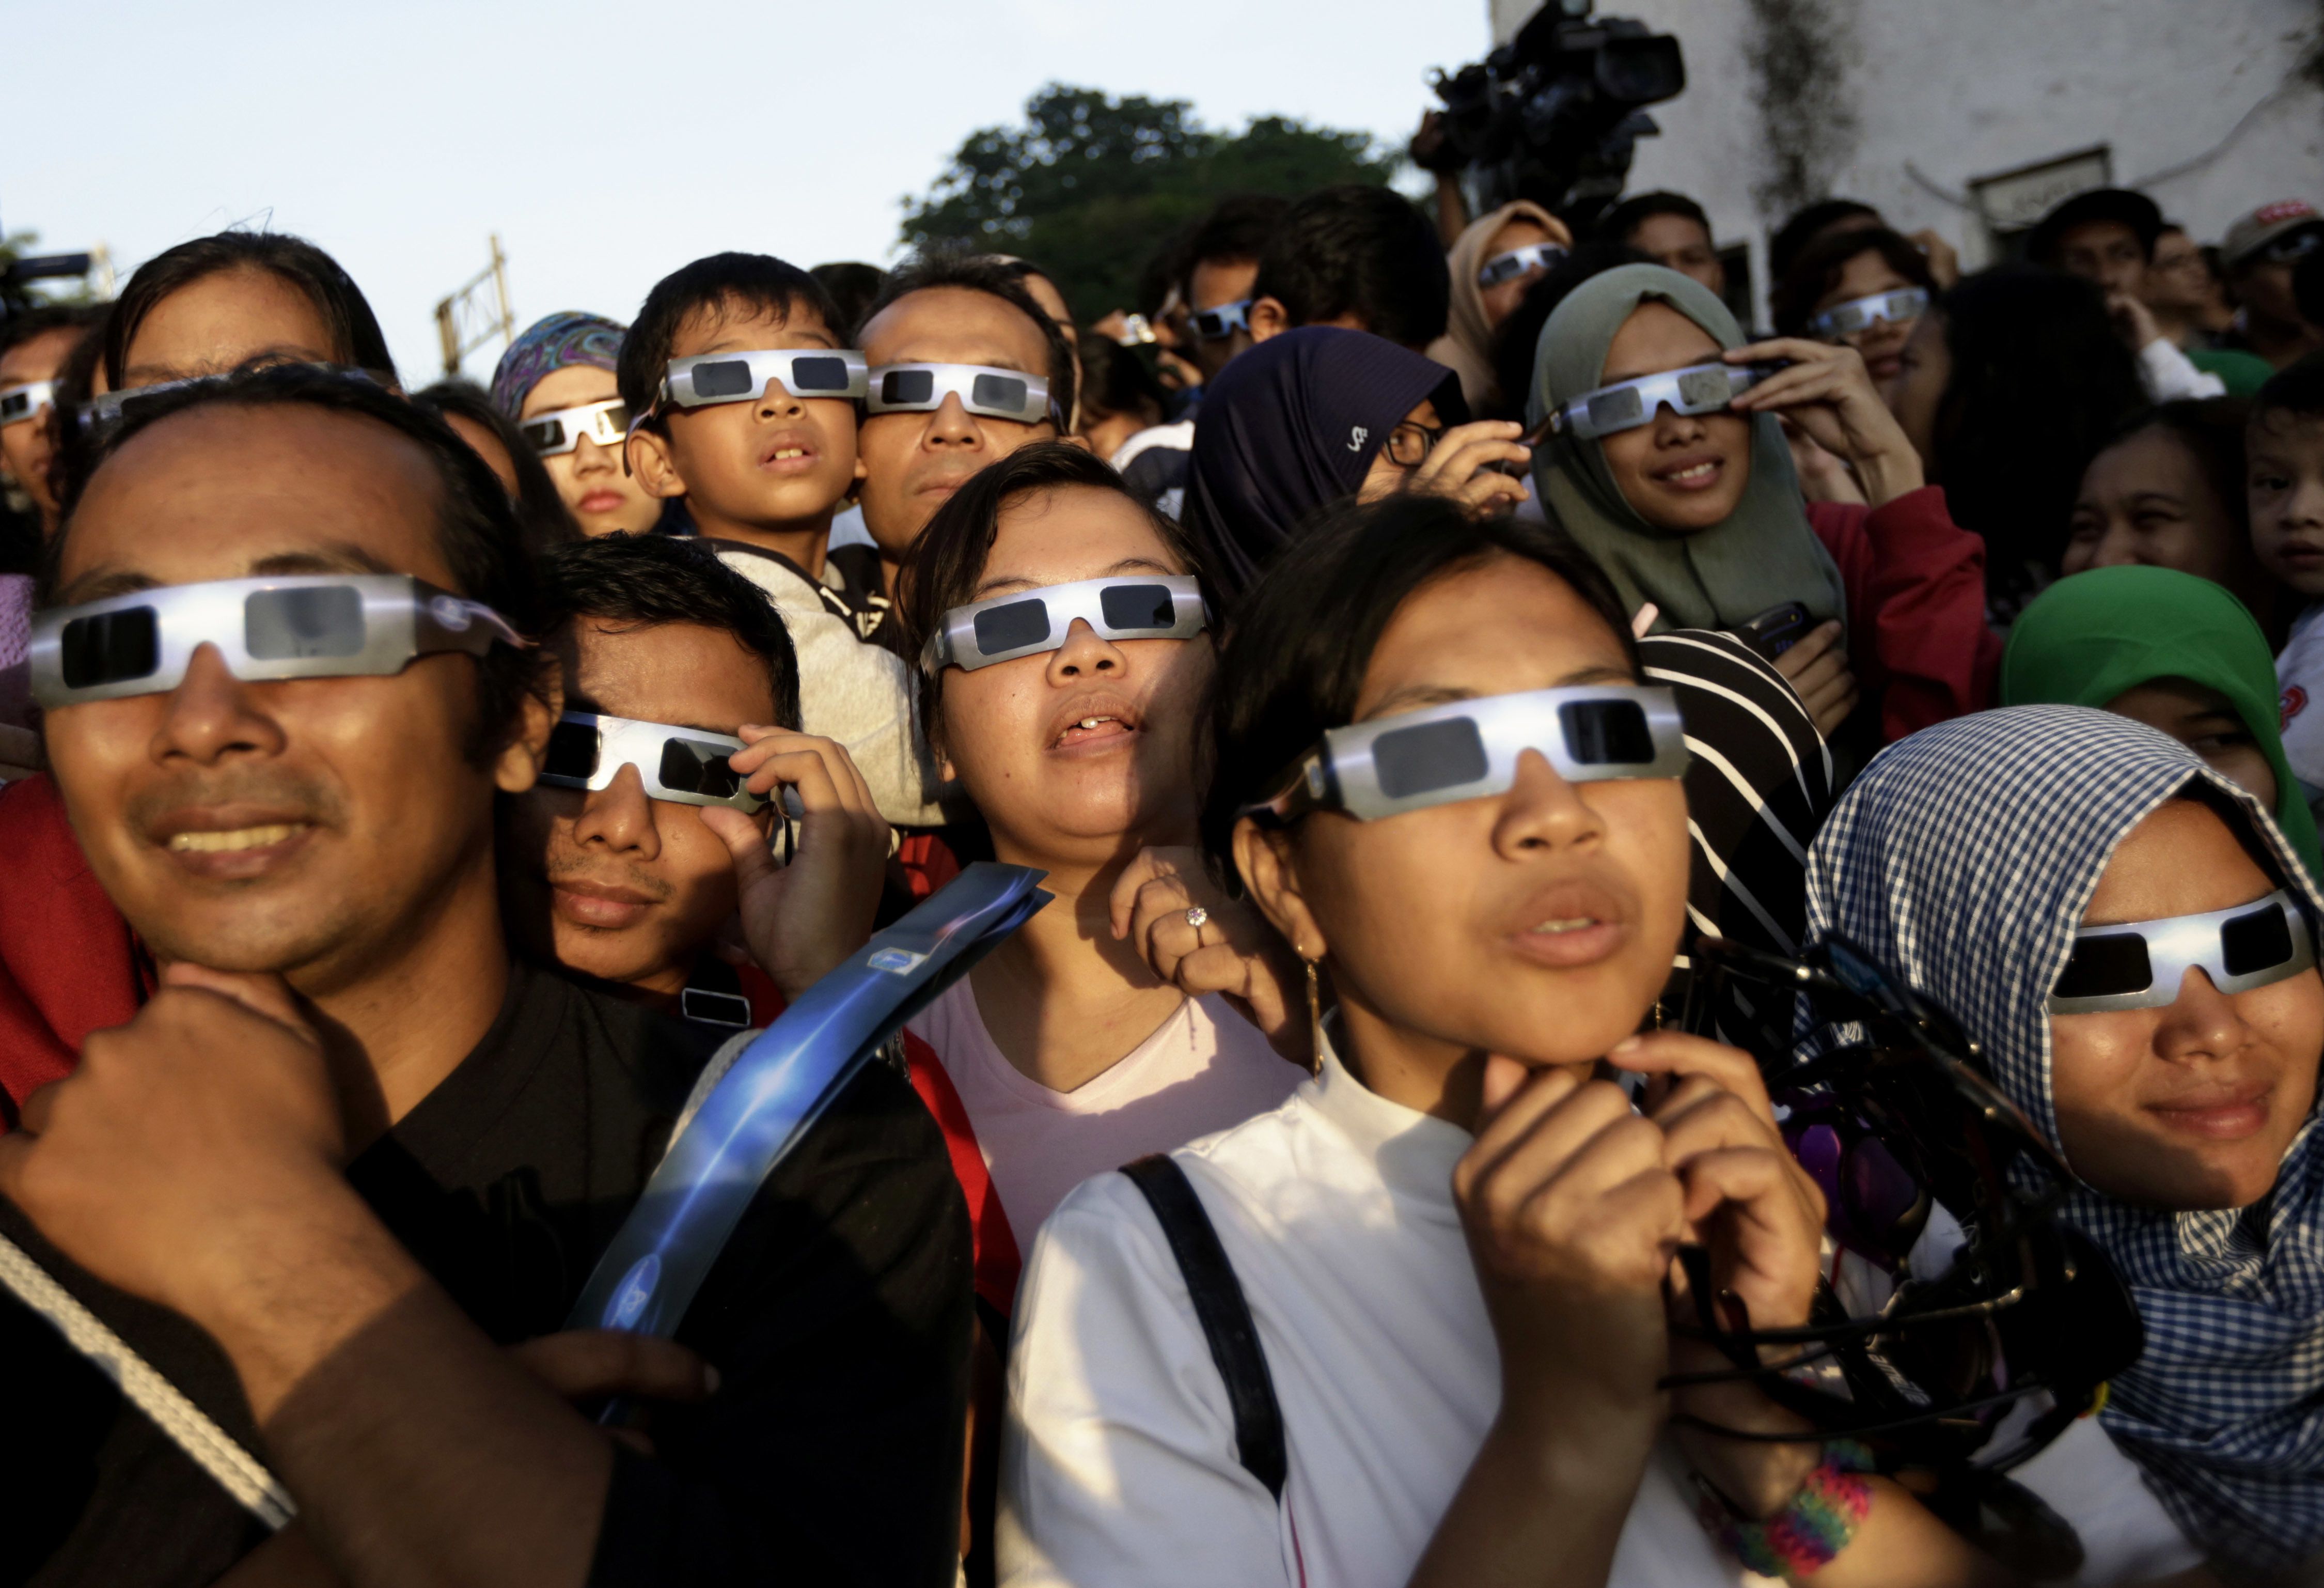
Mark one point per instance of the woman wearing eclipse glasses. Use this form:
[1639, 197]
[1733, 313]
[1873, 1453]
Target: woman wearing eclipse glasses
[1066, 638]
[1661, 452]
[1493, 262]
[1863, 289]
[556, 380]
[1454, 801]
[2130, 939]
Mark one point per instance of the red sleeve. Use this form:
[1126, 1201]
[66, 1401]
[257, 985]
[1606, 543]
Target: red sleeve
[68, 964]
[997, 1258]
[928, 862]
[1915, 586]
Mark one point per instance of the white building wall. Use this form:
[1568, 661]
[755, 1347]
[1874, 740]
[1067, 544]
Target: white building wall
[2202, 104]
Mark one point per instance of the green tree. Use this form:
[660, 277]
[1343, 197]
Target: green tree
[1091, 188]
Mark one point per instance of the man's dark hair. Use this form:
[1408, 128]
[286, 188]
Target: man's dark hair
[981, 272]
[39, 320]
[648, 580]
[540, 507]
[1284, 677]
[947, 561]
[1360, 251]
[1818, 271]
[1635, 211]
[852, 286]
[356, 339]
[1518, 337]
[1237, 228]
[2298, 388]
[476, 528]
[2212, 431]
[77, 449]
[1794, 237]
[2307, 288]
[725, 282]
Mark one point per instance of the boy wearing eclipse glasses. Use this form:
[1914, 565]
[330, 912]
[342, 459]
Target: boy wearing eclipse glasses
[649, 827]
[744, 397]
[962, 369]
[281, 730]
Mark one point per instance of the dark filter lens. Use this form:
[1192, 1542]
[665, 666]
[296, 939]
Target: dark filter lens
[110, 648]
[2259, 941]
[1607, 732]
[545, 435]
[1012, 627]
[907, 385]
[1138, 606]
[1616, 410]
[818, 374]
[1704, 388]
[572, 752]
[1005, 393]
[1431, 756]
[2105, 968]
[283, 625]
[693, 767]
[729, 377]
[15, 405]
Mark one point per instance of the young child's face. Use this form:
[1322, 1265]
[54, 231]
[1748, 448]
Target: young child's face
[771, 462]
[2286, 483]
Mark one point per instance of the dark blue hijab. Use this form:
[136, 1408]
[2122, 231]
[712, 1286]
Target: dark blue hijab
[1291, 425]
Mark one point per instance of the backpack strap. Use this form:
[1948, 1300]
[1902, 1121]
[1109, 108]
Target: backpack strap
[1223, 1313]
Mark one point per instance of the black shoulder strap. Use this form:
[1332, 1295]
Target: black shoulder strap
[1224, 1314]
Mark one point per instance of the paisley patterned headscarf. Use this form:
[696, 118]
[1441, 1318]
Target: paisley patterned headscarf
[547, 346]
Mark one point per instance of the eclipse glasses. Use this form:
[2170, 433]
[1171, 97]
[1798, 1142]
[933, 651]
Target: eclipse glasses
[285, 626]
[1900, 306]
[1518, 262]
[1468, 749]
[1213, 325]
[892, 388]
[1701, 388]
[23, 401]
[560, 430]
[2140, 964]
[982, 633]
[689, 766]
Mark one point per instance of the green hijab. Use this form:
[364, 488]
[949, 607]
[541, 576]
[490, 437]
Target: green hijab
[2088, 637]
[1761, 555]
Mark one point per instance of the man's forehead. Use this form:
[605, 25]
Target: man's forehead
[228, 492]
[955, 325]
[691, 675]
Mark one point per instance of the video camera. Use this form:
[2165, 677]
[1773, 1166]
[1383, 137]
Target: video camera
[1555, 114]
[17, 274]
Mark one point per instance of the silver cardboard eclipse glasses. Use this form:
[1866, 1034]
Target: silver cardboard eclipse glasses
[1468, 749]
[1701, 388]
[1517, 262]
[23, 401]
[1030, 621]
[687, 765]
[285, 626]
[1858, 314]
[560, 430]
[742, 377]
[2140, 964]
[995, 393]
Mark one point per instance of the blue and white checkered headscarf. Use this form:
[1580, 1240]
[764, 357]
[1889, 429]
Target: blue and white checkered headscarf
[1962, 860]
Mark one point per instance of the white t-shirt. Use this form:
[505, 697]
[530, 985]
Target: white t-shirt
[1117, 1460]
[2299, 699]
[853, 692]
[1203, 1069]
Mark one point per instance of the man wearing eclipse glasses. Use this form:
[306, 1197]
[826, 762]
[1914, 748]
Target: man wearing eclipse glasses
[962, 368]
[281, 730]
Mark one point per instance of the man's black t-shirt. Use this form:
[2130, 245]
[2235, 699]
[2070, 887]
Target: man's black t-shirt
[837, 1317]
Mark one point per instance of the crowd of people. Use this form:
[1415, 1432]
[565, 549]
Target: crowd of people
[1421, 655]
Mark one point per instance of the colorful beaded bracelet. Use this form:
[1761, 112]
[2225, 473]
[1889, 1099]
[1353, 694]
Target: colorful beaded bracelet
[1806, 1534]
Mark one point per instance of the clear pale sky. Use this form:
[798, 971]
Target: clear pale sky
[607, 143]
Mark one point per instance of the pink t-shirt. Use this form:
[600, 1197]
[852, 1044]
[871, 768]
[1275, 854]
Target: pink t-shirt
[1204, 1068]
